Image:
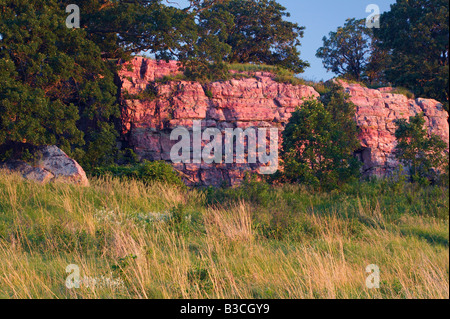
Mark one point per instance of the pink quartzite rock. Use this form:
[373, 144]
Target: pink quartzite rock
[375, 115]
[63, 168]
[53, 165]
[256, 101]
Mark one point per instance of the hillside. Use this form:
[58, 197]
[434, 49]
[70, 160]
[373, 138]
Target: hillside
[135, 241]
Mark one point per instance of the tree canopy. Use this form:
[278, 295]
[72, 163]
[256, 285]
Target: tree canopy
[57, 85]
[259, 33]
[416, 33]
[54, 86]
[350, 52]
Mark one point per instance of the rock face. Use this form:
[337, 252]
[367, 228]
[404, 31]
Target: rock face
[53, 165]
[253, 101]
[376, 111]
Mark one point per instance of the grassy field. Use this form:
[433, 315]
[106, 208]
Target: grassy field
[257, 241]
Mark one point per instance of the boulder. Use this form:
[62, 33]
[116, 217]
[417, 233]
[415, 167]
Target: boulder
[52, 164]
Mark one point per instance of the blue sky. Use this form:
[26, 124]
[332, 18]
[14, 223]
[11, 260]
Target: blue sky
[320, 17]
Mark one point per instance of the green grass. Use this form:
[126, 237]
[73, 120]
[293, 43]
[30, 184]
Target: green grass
[280, 74]
[171, 78]
[249, 67]
[396, 90]
[403, 91]
[256, 241]
[242, 71]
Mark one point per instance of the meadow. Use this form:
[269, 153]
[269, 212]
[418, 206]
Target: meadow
[255, 241]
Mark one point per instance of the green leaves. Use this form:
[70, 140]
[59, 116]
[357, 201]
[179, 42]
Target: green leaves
[148, 172]
[260, 34]
[319, 142]
[55, 88]
[57, 84]
[416, 32]
[350, 52]
[236, 31]
[424, 155]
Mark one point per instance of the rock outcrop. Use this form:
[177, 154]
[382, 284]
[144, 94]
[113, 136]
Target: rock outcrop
[52, 164]
[254, 102]
[376, 111]
[153, 108]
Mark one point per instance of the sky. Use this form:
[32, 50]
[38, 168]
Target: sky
[320, 17]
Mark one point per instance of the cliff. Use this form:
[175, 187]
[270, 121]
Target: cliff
[154, 105]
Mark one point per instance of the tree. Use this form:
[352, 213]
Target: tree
[260, 34]
[124, 27]
[350, 52]
[424, 155]
[57, 85]
[416, 32]
[320, 140]
[54, 86]
[203, 36]
[203, 55]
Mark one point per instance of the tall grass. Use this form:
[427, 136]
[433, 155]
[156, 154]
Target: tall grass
[252, 242]
[280, 74]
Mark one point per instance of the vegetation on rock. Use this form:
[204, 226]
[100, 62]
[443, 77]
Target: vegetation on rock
[320, 140]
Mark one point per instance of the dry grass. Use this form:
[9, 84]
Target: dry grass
[133, 234]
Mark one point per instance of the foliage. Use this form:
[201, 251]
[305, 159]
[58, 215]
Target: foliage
[235, 31]
[54, 86]
[417, 34]
[57, 85]
[281, 75]
[125, 27]
[148, 172]
[260, 34]
[424, 155]
[351, 52]
[148, 94]
[319, 142]
[253, 67]
[251, 190]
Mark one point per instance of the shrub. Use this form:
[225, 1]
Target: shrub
[148, 94]
[19, 151]
[148, 172]
[321, 88]
[251, 190]
[171, 78]
[424, 155]
[319, 142]
[281, 75]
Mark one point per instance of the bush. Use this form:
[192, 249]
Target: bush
[281, 75]
[424, 155]
[251, 190]
[319, 142]
[147, 172]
